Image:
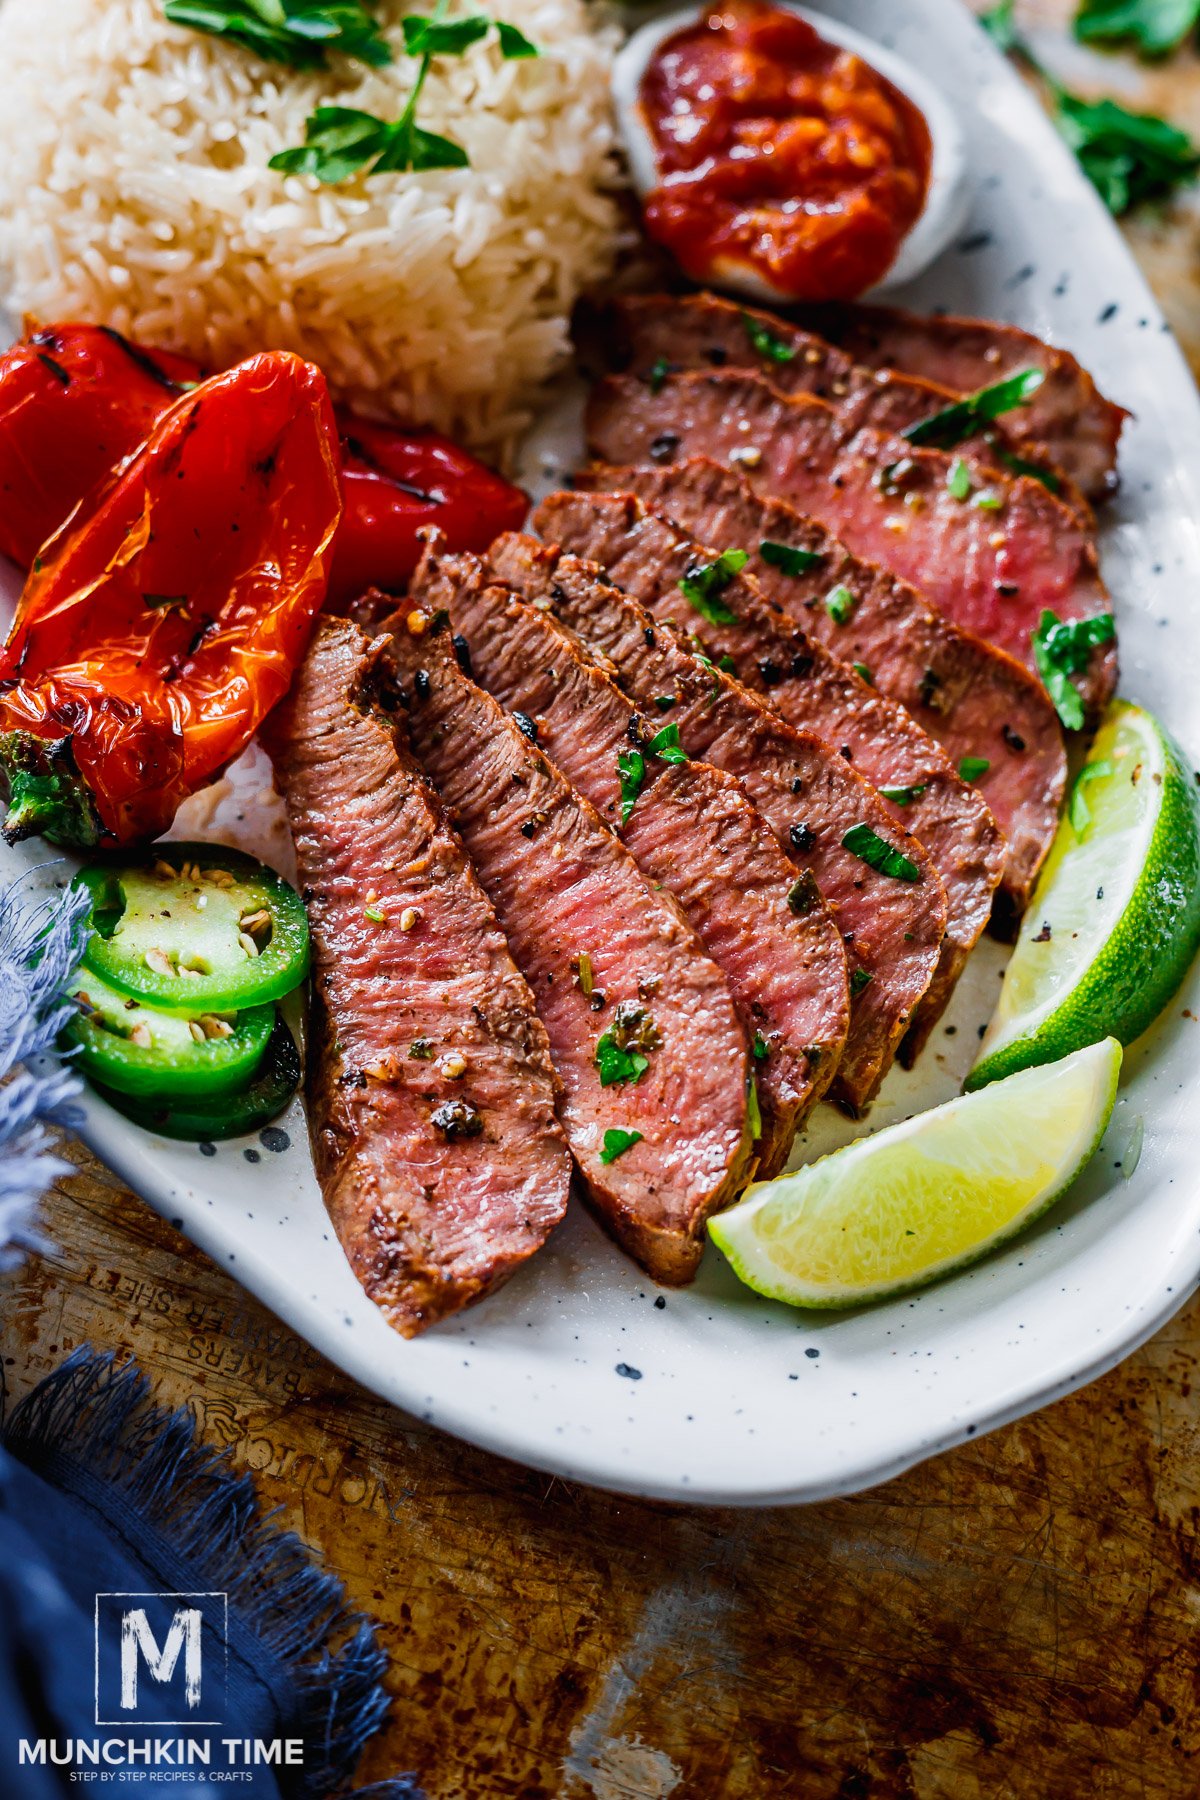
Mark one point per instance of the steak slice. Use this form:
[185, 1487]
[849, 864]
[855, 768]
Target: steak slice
[656, 563]
[648, 335]
[1069, 417]
[431, 1096]
[809, 796]
[690, 828]
[977, 702]
[993, 571]
[674, 1053]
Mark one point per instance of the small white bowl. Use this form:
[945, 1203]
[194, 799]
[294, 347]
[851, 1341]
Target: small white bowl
[948, 193]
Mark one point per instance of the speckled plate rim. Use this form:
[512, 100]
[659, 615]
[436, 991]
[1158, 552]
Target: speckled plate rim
[1097, 1279]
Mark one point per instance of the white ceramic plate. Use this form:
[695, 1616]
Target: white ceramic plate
[580, 1366]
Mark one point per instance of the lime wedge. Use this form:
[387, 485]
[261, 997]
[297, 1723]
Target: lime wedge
[896, 1210]
[1115, 919]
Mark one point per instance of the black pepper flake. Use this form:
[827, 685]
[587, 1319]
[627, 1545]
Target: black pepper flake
[664, 446]
[802, 668]
[716, 355]
[457, 1119]
[802, 837]
[1009, 589]
[526, 726]
[1043, 936]
[770, 671]
[797, 786]
[1013, 739]
[422, 684]
[847, 752]
[462, 652]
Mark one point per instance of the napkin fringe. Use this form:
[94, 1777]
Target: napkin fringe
[98, 1417]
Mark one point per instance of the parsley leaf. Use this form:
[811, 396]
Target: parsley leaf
[1061, 648]
[789, 557]
[631, 766]
[903, 796]
[665, 745]
[297, 33]
[753, 1110]
[840, 604]
[617, 1142]
[958, 480]
[859, 979]
[1000, 26]
[1153, 27]
[1080, 811]
[970, 768]
[617, 1064]
[942, 430]
[878, 854]
[442, 37]
[704, 583]
[514, 45]
[1127, 156]
[760, 1047]
[764, 340]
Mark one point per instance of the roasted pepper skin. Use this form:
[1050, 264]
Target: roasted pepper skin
[396, 483]
[164, 620]
[74, 401]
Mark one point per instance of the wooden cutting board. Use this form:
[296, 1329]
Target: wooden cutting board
[1015, 1621]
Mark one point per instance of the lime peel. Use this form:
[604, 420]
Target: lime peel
[904, 1206]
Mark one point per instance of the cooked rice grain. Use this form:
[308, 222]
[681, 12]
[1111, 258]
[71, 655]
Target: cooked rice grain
[134, 191]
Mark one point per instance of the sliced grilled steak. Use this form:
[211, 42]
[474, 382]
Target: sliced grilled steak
[690, 828]
[431, 1097]
[649, 335]
[1068, 416]
[980, 704]
[810, 797]
[667, 1036]
[660, 565]
[991, 571]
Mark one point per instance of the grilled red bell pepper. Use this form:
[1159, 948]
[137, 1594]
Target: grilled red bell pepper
[395, 482]
[160, 625]
[74, 400]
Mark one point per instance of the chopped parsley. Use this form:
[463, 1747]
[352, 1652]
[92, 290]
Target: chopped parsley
[770, 347]
[665, 745]
[616, 1064]
[375, 914]
[1080, 811]
[761, 1048]
[1061, 648]
[660, 368]
[943, 430]
[970, 768]
[902, 796]
[803, 894]
[298, 35]
[617, 1142]
[859, 979]
[958, 480]
[878, 854]
[753, 1110]
[863, 673]
[840, 604]
[987, 501]
[631, 766]
[1021, 465]
[664, 702]
[1127, 156]
[790, 559]
[704, 583]
[340, 141]
[1153, 27]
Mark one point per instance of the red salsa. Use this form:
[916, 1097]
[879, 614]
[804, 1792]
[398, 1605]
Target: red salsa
[781, 153]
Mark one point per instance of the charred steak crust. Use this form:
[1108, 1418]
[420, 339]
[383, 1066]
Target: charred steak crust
[810, 797]
[654, 561]
[991, 570]
[980, 704]
[1068, 417]
[665, 1054]
[644, 333]
[418, 1012]
[690, 828]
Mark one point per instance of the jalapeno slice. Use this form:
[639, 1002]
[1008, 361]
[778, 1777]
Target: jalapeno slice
[204, 1119]
[196, 928]
[140, 1050]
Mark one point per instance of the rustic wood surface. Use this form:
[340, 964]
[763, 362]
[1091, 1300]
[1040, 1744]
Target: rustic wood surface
[1015, 1621]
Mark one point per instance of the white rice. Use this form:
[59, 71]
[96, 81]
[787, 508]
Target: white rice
[135, 192]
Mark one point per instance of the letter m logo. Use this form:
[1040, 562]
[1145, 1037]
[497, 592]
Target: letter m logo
[160, 1658]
